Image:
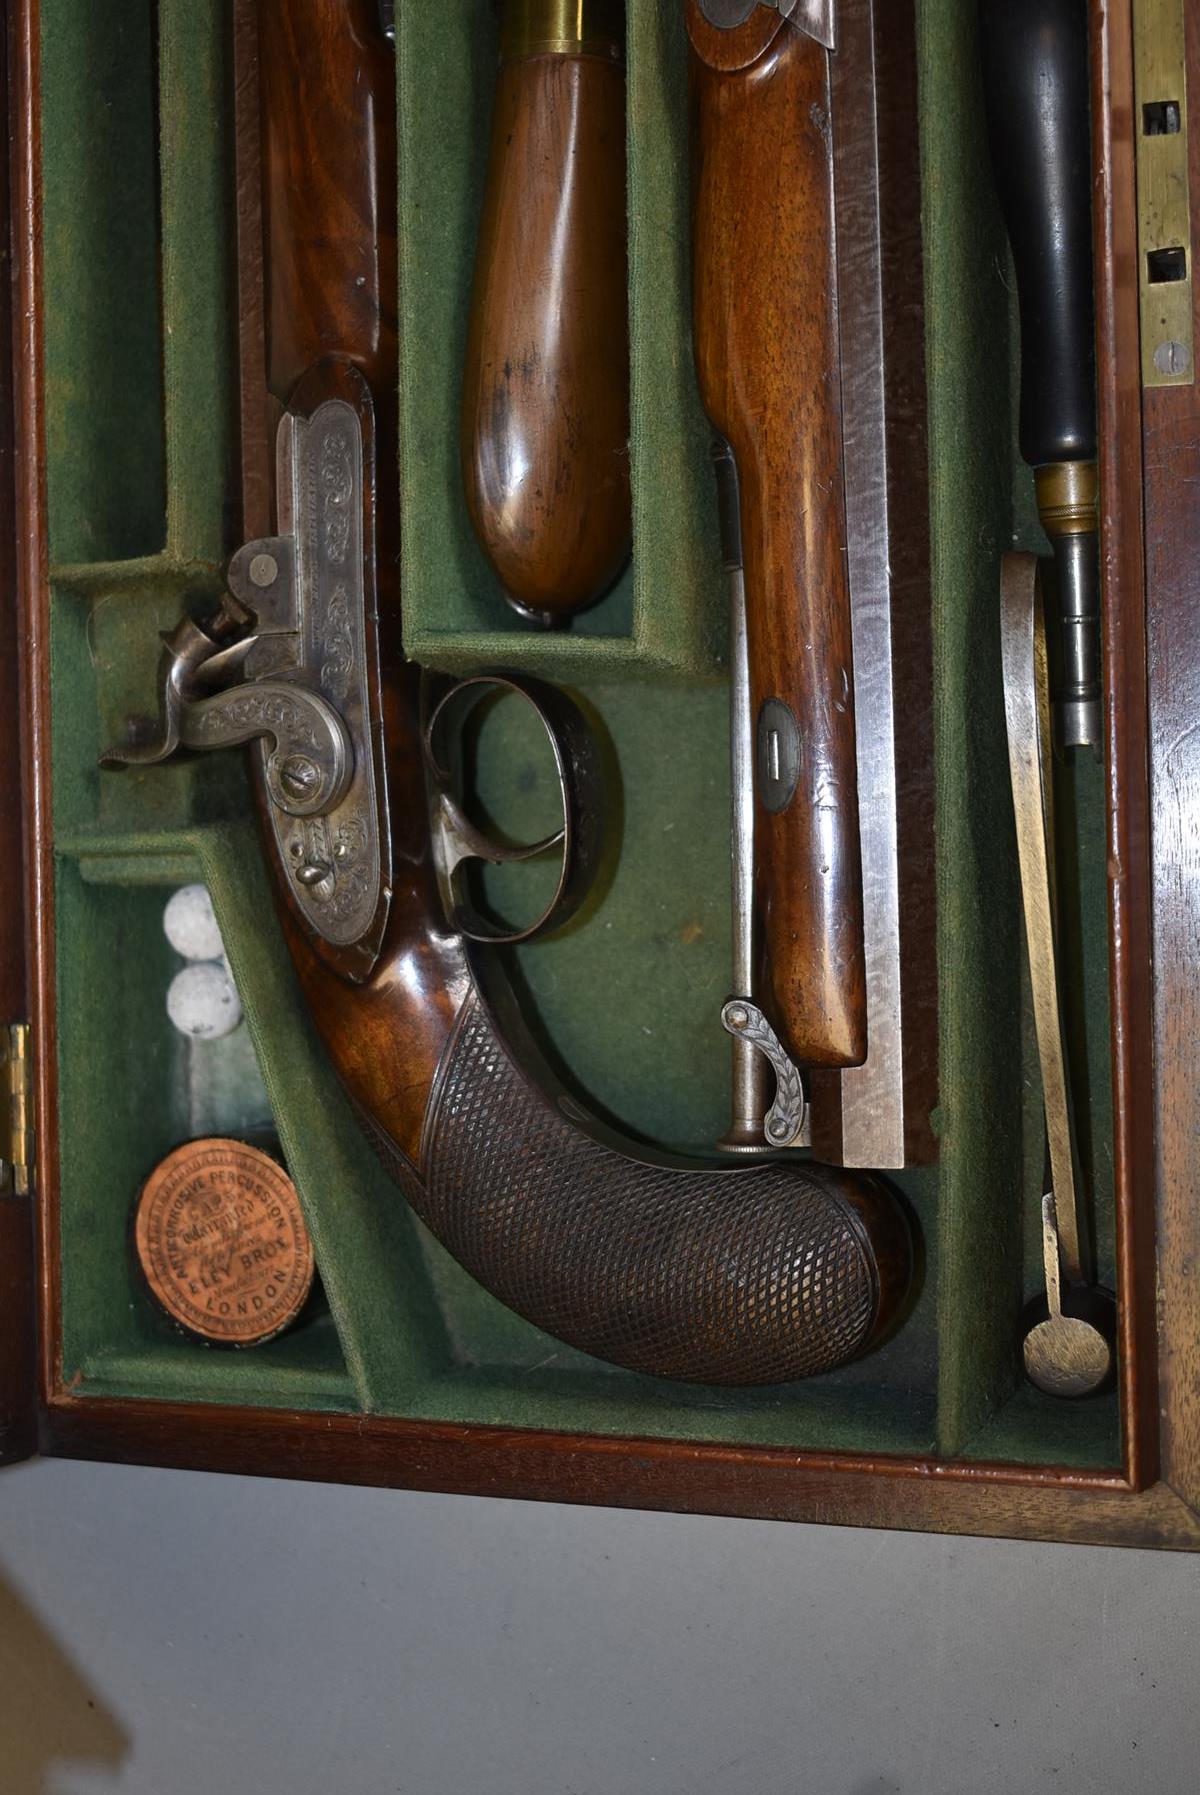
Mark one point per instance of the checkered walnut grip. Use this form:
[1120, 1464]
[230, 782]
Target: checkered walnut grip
[748, 1276]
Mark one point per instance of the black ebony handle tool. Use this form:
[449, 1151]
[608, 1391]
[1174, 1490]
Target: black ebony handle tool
[1035, 80]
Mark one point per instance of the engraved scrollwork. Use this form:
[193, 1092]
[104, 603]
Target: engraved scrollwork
[337, 642]
[310, 760]
[784, 1124]
[250, 711]
[336, 476]
[328, 860]
[350, 893]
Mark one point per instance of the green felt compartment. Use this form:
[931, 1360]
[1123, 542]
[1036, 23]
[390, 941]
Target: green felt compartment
[990, 1119]
[971, 473]
[104, 386]
[626, 999]
[128, 1097]
[666, 616]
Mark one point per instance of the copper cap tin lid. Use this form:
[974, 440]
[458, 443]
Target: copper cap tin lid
[221, 1239]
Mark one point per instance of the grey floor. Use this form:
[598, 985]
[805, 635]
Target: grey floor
[163, 1633]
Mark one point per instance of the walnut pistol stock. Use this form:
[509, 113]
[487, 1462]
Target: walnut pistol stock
[727, 1276]
[545, 418]
[765, 315]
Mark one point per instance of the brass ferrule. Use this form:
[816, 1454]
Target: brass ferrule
[1066, 497]
[563, 28]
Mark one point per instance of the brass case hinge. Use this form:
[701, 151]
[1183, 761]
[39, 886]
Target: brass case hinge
[16, 1092]
[1165, 250]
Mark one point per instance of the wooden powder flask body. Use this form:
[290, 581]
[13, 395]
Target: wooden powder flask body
[545, 408]
[742, 1275]
[765, 318]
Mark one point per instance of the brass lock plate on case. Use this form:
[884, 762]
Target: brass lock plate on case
[1163, 198]
[16, 1168]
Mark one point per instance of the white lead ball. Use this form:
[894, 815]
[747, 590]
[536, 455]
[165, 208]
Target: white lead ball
[202, 1001]
[190, 925]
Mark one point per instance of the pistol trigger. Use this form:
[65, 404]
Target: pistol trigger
[458, 840]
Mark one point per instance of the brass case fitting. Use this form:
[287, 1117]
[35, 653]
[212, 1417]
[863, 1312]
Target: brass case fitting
[563, 28]
[1066, 497]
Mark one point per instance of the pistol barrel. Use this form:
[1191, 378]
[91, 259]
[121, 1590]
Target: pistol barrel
[764, 301]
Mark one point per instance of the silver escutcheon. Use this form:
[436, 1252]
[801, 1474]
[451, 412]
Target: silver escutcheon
[778, 752]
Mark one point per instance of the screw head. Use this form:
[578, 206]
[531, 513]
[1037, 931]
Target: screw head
[1172, 359]
[777, 1128]
[314, 871]
[299, 776]
[737, 1017]
[264, 570]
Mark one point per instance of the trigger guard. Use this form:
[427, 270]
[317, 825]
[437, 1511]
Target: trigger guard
[456, 839]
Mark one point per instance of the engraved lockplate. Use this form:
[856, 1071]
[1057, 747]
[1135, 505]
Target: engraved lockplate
[333, 860]
[290, 662]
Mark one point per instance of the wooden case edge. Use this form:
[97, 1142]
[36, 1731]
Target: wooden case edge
[18, 1380]
[1128, 1507]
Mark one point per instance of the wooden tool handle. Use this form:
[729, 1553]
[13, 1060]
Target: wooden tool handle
[1035, 85]
[545, 421]
[767, 356]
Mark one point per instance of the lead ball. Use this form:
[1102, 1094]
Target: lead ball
[190, 924]
[203, 1003]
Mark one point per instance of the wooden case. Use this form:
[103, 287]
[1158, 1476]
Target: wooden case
[1151, 545]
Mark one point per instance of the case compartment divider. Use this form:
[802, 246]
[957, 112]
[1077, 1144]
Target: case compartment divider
[100, 251]
[967, 364]
[195, 198]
